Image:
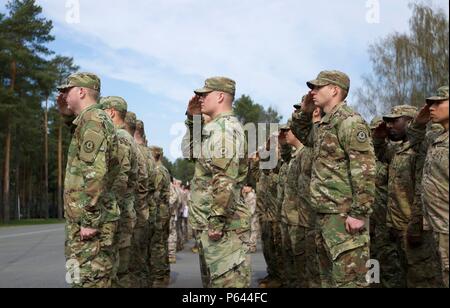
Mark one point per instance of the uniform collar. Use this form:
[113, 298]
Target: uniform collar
[224, 115]
[442, 137]
[327, 118]
[78, 119]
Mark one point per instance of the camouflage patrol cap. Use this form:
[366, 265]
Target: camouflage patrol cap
[83, 80]
[401, 111]
[222, 84]
[325, 78]
[376, 122]
[131, 119]
[157, 150]
[114, 102]
[140, 125]
[441, 95]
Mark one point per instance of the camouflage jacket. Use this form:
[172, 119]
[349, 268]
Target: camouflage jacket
[379, 214]
[305, 210]
[343, 171]
[271, 203]
[289, 194]
[220, 170]
[433, 182]
[401, 186]
[142, 193]
[92, 167]
[162, 192]
[126, 183]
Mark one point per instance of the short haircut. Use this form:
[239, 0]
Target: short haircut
[94, 94]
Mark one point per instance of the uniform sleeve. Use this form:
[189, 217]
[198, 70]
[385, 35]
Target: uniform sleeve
[190, 145]
[121, 183]
[142, 190]
[303, 128]
[357, 142]
[225, 167]
[93, 168]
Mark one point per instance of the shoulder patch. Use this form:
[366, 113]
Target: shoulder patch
[92, 142]
[362, 136]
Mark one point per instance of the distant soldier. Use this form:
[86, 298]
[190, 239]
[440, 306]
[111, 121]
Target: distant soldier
[125, 186]
[407, 249]
[342, 180]
[434, 188]
[139, 257]
[379, 239]
[173, 206]
[148, 207]
[221, 168]
[91, 209]
[160, 267]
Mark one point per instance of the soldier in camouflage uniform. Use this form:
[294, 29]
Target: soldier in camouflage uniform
[414, 256]
[91, 209]
[221, 168]
[379, 239]
[342, 180]
[433, 183]
[138, 267]
[302, 216]
[173, 206]
[160, 267]
[148, 208]
[270, 228]
[125, 186]
[287, 154]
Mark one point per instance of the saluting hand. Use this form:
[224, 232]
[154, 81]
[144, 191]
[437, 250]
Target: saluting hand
[308, 105]
[424, 116]
[194, 107]
[62, 105]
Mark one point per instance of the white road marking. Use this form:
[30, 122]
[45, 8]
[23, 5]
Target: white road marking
[30, 233]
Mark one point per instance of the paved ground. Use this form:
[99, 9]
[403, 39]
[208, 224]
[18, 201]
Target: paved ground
[33, 257]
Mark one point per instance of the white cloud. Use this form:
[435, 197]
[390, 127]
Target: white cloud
[270, 47]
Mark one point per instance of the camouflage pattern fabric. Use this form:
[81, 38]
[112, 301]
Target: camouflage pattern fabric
[89, 200]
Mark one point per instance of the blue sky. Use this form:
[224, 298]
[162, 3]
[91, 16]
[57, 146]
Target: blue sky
[155, 52]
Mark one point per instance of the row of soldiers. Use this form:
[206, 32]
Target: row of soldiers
[305, 241]
[347, 203]
[117, 193]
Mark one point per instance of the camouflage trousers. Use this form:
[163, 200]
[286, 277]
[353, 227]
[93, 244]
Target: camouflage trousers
[180, 235]
[416, 266]
[271, 240]
[303, 253]
[291, 279]
[227, 260]
[172, 237]
[342, 256]
[139, 256]
[255, 230]
[90, 263]
[380, 251]
[159, 253]
[124, 236]
[201, 254]
[440, 247]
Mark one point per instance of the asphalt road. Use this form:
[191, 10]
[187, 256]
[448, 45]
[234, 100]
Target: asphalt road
[33, 257]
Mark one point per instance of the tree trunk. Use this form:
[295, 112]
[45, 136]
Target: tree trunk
[46, 201]
[5, 216]
[60, 172]
[6, 168]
